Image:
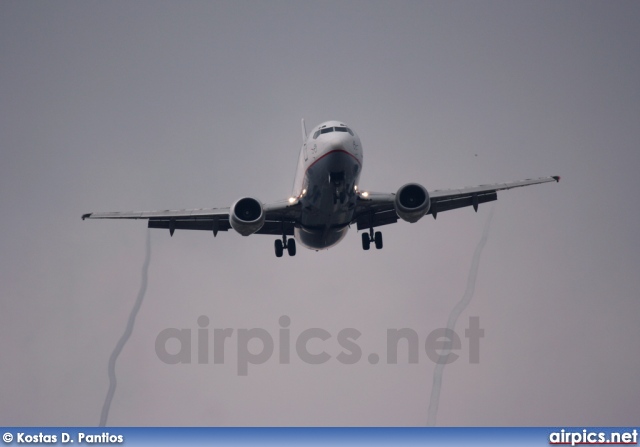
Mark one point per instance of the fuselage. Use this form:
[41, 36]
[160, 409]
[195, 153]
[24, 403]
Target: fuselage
[326, 184]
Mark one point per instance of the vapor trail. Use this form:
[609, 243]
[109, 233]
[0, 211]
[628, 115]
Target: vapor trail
[127, 333]
[451, 324]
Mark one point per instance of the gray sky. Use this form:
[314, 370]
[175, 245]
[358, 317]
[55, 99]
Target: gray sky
[153, 105]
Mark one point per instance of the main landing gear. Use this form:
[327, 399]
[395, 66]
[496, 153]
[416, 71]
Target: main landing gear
[281, 244]
[371, 236]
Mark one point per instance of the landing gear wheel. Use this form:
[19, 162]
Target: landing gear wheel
[366, 241]
[291, 247]
[378, 240]
[279, 248]
[343, 197]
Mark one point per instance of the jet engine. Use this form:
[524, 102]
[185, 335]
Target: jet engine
[412, 202]
[246, 216]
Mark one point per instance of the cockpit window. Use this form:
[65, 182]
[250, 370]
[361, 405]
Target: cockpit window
[331, 129]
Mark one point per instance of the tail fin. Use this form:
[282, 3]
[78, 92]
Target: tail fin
[304, 132]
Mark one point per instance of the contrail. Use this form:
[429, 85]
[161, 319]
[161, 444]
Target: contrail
[451, 324]
[127, 333]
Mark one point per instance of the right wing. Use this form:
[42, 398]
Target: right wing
[377, 209]
[449, 199]
[280, 218]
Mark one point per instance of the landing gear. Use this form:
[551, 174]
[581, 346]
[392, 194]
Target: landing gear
[371, 236]
[339, 196]
[337, 179]
[378, 240]
[281, 244]
[366, 242]
[291, 247]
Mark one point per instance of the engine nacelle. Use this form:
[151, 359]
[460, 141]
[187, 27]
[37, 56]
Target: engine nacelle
[412, 202]
[246, 216]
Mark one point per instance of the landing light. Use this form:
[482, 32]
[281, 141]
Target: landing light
[365, 194]
[292, 199]
[355, 188]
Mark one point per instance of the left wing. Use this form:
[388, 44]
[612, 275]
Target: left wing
[280, 218]
[377, 209]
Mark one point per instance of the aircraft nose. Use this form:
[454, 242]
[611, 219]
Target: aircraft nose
[339, 141]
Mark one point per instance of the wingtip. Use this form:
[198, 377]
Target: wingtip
[556, 178]
[84, 216]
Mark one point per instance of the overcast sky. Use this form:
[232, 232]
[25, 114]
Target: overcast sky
[119, 105]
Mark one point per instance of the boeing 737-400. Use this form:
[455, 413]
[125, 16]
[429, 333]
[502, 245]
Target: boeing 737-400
[326, 200]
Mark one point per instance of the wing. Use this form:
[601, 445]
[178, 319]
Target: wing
[379, 209]
[280, 218]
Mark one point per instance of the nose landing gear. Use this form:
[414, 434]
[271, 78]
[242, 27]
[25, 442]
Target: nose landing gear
[337, 179]
[339, 196]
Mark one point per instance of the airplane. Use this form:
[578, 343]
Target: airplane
[326, 201]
